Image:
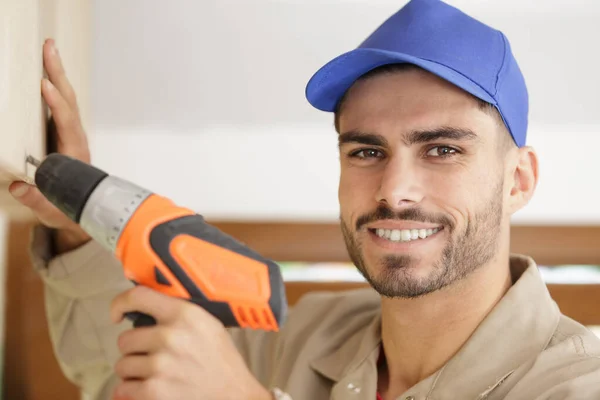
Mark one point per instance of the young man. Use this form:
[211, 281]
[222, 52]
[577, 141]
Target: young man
[431, 112]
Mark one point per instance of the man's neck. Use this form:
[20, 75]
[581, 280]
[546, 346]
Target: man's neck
[420, 335]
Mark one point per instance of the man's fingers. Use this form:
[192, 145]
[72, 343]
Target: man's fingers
[138, 366]
[163, 308]
[60, 97]
[56, 72]
[148, 389]
[67, 123]
[129, 390]
[46, 212]
[142, 340]
[30, 197]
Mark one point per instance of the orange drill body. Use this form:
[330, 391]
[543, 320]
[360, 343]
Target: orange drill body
[221, 275]
[165, 247]
[139, 260]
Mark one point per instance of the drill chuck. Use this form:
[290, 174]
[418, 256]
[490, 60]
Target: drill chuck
[67, 183]
[100, 203]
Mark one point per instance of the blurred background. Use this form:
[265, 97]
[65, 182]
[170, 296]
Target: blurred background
[203, 102]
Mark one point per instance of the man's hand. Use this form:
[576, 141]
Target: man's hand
[71, 140]
[188, 354]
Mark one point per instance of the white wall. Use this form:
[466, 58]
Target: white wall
[214, 92]
[279, 173]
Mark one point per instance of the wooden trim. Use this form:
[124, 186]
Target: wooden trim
[556, 245]
[311, 242]
[579, 302]
[323, 242]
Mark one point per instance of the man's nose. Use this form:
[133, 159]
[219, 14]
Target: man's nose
[400, 185]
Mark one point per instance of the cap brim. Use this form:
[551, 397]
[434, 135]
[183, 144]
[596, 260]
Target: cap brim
[330, 82]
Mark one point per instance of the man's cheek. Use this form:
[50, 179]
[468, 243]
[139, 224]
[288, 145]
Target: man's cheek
[364, 187]
[349, 193]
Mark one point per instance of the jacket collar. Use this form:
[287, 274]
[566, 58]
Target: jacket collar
[352, 353]
[518, 328]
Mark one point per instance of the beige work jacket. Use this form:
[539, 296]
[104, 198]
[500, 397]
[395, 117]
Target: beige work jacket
[524, 350]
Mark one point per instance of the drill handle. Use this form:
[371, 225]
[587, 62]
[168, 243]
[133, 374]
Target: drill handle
[140, 319]
[187, 258]
[219, 273]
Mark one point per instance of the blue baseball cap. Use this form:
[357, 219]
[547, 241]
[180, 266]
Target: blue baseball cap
[444, 41]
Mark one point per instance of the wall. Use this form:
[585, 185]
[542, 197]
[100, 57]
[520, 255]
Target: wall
[214, 93]
[278, 173]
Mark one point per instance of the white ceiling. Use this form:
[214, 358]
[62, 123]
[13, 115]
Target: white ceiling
[188, 64]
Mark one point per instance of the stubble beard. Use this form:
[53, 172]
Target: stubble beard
[463, 254]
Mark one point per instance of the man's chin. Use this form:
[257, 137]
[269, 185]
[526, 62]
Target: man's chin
[400, 265]
[408, 289]
[405, 278]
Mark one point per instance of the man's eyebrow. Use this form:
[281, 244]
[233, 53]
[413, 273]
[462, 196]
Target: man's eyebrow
[414, 137]
[354, 136]
[451, 133]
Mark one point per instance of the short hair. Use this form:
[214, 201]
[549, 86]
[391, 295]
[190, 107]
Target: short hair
[398, 67]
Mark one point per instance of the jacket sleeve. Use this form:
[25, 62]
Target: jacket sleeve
[79, 288]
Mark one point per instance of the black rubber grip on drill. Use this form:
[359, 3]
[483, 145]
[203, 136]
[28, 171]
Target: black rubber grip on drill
[140, 319]
[194, 225]
[67, 183]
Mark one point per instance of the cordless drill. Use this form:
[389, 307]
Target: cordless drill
[165, 247]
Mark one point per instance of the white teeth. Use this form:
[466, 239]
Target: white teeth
[404, 235]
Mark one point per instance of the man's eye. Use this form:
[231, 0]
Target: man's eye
[366, 153]
[441, 151]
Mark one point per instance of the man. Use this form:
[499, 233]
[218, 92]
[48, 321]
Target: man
[431, 113]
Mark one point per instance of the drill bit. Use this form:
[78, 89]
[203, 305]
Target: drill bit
[33, 161]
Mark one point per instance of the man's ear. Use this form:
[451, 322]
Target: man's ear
[525, 178]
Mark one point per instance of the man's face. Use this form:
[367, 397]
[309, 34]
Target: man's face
[422, 182]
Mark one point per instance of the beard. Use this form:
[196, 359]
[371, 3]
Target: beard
[464, 253]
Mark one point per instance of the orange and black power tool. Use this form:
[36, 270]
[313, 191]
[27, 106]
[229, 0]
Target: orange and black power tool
[165, 247]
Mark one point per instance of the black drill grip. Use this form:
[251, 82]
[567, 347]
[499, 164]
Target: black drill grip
[195, 226]
[140, 319]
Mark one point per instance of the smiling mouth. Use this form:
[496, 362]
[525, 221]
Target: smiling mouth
[405, 235]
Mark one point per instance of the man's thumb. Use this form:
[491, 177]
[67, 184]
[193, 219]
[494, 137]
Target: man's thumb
[46, 212]
[26, 194]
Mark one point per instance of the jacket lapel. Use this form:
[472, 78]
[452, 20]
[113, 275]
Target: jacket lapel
[352, 366]
[516, 331]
